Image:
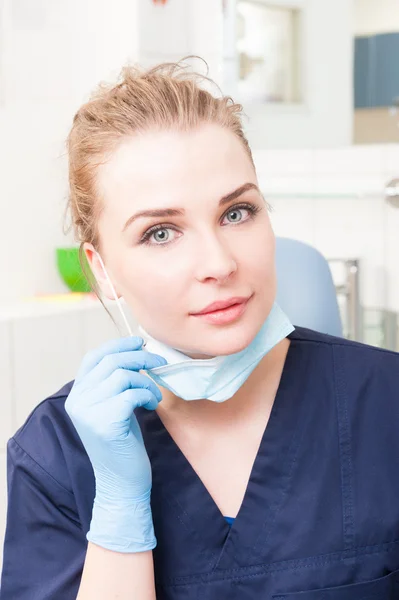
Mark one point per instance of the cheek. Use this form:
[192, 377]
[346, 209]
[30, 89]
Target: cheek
[264, 275]
[150, 285]
[259, 254]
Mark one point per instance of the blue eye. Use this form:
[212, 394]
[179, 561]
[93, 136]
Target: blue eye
[237, 213]
[158, 235]
[235, 216]
[163, 234]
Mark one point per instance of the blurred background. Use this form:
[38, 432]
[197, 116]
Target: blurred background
[319, 81]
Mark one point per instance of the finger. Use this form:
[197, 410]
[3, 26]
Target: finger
[121, 380]
[129, 400]
[135, 426]
[132, 361]
[116, 346]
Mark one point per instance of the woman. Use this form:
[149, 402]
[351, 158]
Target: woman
[280, 480]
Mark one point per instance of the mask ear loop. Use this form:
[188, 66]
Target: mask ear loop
[118, 303]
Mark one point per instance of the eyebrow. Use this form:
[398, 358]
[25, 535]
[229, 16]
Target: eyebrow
[178, 212]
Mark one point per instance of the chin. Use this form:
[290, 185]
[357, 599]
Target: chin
[225, 341]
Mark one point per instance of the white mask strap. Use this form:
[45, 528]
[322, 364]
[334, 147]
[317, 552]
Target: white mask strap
[118, 303]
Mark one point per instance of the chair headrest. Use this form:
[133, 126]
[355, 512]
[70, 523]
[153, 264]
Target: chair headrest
[305, 287]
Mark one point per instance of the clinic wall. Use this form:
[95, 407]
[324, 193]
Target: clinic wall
[373, 17]
[53, 55]
[182, 28]
[325, 119]
[334, 200]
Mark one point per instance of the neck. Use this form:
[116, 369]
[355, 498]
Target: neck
[257, 393]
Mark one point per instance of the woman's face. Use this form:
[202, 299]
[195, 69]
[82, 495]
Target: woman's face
[183, 226]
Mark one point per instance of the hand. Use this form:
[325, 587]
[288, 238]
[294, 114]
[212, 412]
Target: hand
[106, 391]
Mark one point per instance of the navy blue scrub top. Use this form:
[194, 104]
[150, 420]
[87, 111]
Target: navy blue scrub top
[320, 516]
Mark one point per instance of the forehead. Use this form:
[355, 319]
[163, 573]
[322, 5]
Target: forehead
[163, 168]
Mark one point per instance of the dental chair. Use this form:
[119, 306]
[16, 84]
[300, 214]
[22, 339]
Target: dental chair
[305, 288]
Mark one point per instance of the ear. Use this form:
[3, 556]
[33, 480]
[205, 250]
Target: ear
[97, 268]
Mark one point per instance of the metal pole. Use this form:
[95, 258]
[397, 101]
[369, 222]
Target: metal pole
[353, 300]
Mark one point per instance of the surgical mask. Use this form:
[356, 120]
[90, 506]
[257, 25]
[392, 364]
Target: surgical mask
[216, 379]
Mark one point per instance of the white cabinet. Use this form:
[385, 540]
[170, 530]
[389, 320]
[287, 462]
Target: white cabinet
[97, 327]
[3, 501]
[43, 352]
[46, 353]
[6, 378]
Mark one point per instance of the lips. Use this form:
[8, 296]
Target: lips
[221, 305]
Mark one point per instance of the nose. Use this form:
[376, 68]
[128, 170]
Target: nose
[215, 260]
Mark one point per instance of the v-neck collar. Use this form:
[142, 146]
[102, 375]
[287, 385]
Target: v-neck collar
[208, 535]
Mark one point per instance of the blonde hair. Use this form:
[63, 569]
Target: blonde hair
[164, 97]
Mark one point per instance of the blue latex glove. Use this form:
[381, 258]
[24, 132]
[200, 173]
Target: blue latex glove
[106, 391]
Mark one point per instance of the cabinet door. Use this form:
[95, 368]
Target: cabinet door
[363, 72]
[376, 72]
[386, 72]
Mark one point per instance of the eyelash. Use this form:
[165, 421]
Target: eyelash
[251, 208]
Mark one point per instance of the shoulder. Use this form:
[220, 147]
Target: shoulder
[343, 349]
[49, 440]
[359, 371]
